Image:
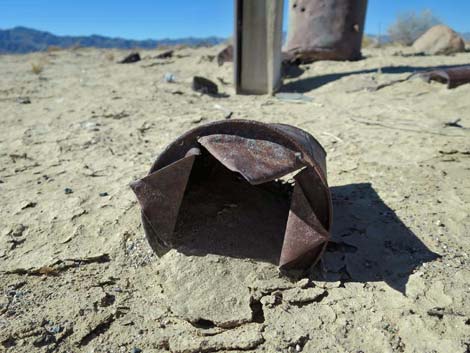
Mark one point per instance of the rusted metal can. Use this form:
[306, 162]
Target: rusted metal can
[325, 30]
[221, 188]
[452, 76]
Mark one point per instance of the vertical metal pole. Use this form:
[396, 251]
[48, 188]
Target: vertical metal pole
[257, 46]
[274, 44]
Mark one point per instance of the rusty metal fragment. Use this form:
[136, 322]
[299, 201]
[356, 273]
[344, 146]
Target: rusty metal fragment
[257, 160]
[217, 189]
[453, 77]
[130, 59]
[165, 55]
[225, 55]
[325, 30]
[204, 86]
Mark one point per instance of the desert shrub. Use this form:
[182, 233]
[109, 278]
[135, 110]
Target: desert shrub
[37, 68]
[410, 25]
[76, 46]
[164, 47]
[182, 46]
[53, 48]
[109, 56]
[369, 42]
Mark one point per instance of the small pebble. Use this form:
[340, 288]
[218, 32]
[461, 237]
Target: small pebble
[136, 350]
[28, 204]
[103, 194]
[23, 100]
[198, 120]
[68, 191]
[169, 77]
[17, 230]
[55, 329]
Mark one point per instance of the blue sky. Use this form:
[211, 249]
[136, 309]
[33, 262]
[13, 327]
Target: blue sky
[141, 19]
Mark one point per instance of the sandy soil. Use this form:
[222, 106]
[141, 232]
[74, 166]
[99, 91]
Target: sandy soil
[77, 274]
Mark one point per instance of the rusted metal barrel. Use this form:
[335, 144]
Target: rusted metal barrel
[325, 30]
[219, 188]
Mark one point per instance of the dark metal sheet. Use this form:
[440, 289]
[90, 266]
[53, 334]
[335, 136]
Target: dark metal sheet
[305, 238]
[225, 55]
[258, 161]
[160, 195]
[316, 194]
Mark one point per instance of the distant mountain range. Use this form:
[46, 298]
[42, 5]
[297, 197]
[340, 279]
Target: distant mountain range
[466, 36]
[21, 40]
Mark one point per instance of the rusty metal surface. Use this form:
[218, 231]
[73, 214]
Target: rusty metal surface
[305, 236]
[160, 195]
[257, 160]
[325, 30]
[453, 77]
[216, 189]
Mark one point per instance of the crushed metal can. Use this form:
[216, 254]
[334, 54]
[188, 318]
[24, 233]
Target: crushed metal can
[453, 76]
[325, 30]
[224, 188]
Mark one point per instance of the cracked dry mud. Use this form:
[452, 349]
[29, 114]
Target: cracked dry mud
[78, 276]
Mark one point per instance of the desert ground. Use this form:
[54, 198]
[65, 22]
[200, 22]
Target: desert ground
[77, 274]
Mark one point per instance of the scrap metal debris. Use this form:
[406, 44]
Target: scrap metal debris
[453, 77]
[23, 100]
[205, 86]
[455, 123]
[237, 166]
[131, 58]
[165, 55]
[225, 55]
